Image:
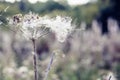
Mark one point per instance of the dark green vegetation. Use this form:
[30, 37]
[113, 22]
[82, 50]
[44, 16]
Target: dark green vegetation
[79, 13]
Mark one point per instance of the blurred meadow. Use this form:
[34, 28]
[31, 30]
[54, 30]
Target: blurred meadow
[90, 52]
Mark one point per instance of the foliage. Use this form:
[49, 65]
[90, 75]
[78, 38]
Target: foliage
[79, 13]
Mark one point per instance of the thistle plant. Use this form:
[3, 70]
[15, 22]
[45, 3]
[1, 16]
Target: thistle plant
[61, 26]
[33, 27]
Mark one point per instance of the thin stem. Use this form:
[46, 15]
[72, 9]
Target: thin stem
[35, 61]
[49, 66]
[44, 34]
[110, 78]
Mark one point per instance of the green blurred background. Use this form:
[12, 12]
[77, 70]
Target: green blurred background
[83, 12]
[89, 54]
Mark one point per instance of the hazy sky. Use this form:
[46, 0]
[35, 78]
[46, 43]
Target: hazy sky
[71, 2]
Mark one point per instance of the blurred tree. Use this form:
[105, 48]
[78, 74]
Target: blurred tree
[113, 11]
[51, 5]
[89, 12]
[22, 6]
[25, 6]
[77, 15]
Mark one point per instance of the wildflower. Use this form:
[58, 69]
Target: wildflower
[33, 26]
[15, 22]
[61, 26]
[30, 26]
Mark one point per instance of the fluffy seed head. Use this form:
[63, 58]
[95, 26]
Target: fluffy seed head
[33, 26]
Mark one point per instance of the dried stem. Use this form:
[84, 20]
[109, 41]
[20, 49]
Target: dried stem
[35, 61]
[110, 78]
[49, 66]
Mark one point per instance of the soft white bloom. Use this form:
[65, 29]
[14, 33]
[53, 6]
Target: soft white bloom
[61, 26]
[30, 21]
[15, 22]
[30, 25]
[33, 26]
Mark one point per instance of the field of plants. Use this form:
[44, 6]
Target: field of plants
[56, 41]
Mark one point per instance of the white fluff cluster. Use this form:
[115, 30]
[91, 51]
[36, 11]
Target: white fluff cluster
[15, 22]
[33, 26]
[61, 26]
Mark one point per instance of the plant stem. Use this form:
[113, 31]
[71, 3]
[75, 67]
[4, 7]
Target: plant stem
[49, 66]
[35, 61]
[110, 78]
